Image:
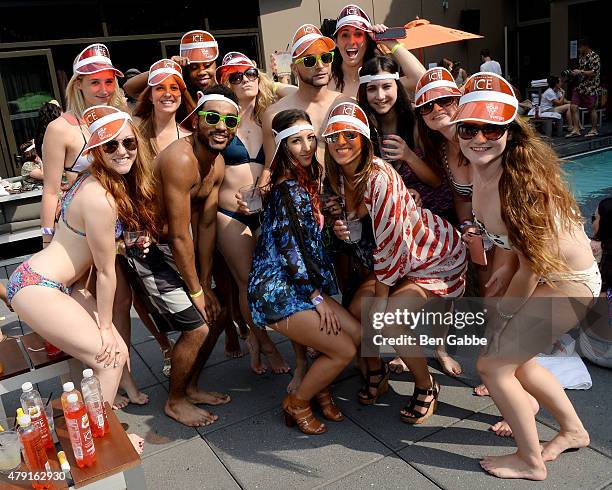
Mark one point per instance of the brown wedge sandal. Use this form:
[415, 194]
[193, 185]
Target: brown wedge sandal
[299, 411]
[328, 407]
[416, 417]
[365, 396]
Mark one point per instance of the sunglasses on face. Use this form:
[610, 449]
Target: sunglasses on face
[113, 145]
[347, 135]
[251, 74]
[311, 60]
[491, 132]
[443, 102]
[212, 118]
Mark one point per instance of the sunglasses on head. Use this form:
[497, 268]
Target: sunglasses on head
[112, 146]
[492, 132]
[311, 60]
[347, 135]
[251, 74]
[213, 118]
[442, 102]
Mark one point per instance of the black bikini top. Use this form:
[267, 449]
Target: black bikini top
[237, 154]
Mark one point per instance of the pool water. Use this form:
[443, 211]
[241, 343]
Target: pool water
[590, 178]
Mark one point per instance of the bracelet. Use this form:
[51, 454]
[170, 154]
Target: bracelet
[47, 231]
[317, 300]
[504, 316]
[196, 295]
[395, 48]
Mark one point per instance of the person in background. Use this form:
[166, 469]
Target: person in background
[553, 103]
[489, 64]
[595, 343]
[32, 166]
[586, 93]
[47, 113]
[459, 74]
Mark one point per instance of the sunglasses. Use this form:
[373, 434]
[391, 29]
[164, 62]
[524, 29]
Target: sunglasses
[311, 60]
[491, 132]
[251, 74]
[213, 118]
[112, 146]
[442, 102]
[348, 136]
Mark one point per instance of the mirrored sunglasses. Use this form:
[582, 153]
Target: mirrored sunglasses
[347, 135]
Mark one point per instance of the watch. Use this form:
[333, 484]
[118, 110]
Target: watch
[317, 300]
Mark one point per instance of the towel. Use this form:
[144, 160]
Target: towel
[566, 365]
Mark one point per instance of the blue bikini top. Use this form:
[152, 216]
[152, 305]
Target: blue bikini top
[237, 154]
[67, 199]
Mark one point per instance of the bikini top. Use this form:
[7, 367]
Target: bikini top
[67, 199]
[502, 241]
[81, 162]
[464, 190]
[237, 154]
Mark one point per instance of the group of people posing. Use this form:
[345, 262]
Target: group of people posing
[153, 207]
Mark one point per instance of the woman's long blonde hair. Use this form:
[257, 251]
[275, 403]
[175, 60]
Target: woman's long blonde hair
[134, 193]
[75, 102]
[535, 200]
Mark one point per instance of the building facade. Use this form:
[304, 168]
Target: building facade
[39, 39]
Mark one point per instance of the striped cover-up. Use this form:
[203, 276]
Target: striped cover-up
[412, 242]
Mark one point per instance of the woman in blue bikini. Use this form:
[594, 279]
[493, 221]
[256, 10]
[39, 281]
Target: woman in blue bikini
[115, 192]
[244, 162]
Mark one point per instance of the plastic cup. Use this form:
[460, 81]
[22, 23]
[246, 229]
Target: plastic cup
[252, 196]
[384, 148]
[10, 448]
[51, 350]
[49, 414]
[131, 238]
[354, 229]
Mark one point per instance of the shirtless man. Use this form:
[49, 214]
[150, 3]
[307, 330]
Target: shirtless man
[312, 56]
[175, 277]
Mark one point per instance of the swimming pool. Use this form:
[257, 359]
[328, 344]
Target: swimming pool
[590, 177]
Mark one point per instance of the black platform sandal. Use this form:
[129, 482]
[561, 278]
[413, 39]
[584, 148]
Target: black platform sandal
[364, 395]
[430, 406]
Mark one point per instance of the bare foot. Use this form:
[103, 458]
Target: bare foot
[207, 397]
[397, 366]
[120, 402]
[296, 381]
[449, 365]
[511, 466]
[137, 442]
[254, 349]
[188, 414]
[481, 390]
[276, 361]
[138, 398]
[502, 428]
[564, 441]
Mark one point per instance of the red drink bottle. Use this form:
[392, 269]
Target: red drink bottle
[92, 397]
[77, 423]
[33, 406]
[33, 450]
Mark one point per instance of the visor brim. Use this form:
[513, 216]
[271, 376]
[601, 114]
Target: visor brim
[200, 55]
[114, 127]
[328, 42]
[486, 112]
[160, 77]
[338, 127]
[92, 68]
[223, 69]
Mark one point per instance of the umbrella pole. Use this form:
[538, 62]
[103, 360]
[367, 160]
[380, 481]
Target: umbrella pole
[421, 56]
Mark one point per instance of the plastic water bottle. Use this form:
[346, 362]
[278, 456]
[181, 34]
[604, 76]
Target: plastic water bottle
[32, 405]
[68, 389]
[77, 423]
[34, 451]
[92, 397]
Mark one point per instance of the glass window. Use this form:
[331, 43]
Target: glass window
[533, 10]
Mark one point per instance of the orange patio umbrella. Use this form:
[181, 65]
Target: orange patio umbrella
[420, 33]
